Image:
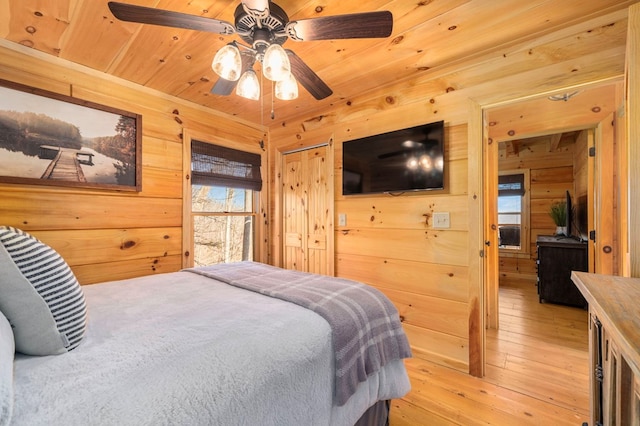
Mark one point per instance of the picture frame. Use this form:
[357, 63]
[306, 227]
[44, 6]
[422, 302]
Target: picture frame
[47, 138]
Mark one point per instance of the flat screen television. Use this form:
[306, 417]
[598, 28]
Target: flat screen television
[569, 219]
[581, 223]
[410, 159]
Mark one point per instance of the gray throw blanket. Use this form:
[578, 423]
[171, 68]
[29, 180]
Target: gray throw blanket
[366, 329]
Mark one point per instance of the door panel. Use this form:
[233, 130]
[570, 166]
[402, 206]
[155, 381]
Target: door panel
[308, 212]
[317, 210]
[604, 217]
[294, 212]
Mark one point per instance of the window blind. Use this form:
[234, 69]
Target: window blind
[511, 185]
[221, 166]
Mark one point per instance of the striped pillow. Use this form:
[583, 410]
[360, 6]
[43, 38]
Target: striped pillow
[39, 295]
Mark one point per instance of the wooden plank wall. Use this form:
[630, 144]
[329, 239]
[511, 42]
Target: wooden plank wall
[551, 174]
[106, 235]
[388, 241]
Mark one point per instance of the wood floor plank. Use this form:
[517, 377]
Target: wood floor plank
[472, 401]
[404, 413]
[536, 371]
[573, 361]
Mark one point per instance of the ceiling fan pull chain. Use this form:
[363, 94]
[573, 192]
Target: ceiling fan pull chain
[262, 100]
[273, 113]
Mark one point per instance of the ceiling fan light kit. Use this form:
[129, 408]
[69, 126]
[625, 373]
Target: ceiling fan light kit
[249, 86]
[287, 89]
[227, 63]
[265, 26]
[275, 64]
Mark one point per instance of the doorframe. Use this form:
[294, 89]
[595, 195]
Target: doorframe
[477, 253]
[484, 276]
[277, 245]
[490, 274]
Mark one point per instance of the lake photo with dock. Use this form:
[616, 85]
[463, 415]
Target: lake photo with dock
[26, 166]
[53, 141]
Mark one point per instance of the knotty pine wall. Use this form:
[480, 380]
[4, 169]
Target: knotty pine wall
[431, 275]
[107, 235]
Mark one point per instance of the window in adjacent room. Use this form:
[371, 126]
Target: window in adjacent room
[513, 210]
[224, 187]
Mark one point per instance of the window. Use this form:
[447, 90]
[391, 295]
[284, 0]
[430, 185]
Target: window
[513, 217]
[224, 187]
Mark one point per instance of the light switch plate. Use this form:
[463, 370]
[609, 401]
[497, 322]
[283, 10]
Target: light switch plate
[342, 219]
[441, 220]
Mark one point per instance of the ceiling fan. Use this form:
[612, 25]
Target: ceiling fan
[261, 24]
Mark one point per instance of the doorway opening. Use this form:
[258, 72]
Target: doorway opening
[550, 140]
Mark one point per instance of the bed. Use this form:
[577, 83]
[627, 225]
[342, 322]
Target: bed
[221, 345]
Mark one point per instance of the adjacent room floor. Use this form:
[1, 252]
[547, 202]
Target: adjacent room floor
[536, 371]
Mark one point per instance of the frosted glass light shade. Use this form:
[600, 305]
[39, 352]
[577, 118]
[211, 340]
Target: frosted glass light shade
[275, 64]
[227, 63]
[248, 86]
[287, 89]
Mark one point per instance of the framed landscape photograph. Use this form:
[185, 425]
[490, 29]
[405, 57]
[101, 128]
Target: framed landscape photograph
[52, 139]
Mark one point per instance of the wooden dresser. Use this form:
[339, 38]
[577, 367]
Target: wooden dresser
[557, 257]
[614, 346]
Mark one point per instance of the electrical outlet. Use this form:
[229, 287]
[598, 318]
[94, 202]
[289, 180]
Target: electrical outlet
[441, 220]
[342, 219]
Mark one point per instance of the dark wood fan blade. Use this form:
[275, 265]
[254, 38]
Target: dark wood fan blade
[357, 25]
[167, 18]
[307, 78]
[225, 87]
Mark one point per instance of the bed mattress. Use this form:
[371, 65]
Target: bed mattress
[182, 348]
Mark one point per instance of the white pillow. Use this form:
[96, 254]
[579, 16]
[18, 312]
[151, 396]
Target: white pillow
[7, 351]
[39, 295]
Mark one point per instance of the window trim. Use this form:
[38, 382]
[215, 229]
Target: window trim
[260, 201]
[525, 225]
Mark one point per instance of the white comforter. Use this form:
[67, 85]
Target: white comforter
[184, 349]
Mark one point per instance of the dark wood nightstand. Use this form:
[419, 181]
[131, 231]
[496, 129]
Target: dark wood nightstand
[557, 257]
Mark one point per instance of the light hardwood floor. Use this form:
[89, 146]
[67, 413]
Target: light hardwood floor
[536, 371]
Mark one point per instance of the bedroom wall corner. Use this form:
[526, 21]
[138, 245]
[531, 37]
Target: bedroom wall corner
[106, 234]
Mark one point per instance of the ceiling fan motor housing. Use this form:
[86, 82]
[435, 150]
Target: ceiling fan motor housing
[265, 32]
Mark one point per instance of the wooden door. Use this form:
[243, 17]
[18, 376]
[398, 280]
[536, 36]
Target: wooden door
[308, 211]
[604, 246]
[293, 208]
[492, 253]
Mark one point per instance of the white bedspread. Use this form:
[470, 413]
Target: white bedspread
[184, 349]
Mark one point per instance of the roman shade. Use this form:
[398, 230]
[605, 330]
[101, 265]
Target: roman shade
[221, 166]
[511, 185]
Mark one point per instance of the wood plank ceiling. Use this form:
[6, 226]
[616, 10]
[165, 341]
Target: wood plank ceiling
[428, 35]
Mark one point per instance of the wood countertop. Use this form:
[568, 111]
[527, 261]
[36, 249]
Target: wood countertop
[616, 302]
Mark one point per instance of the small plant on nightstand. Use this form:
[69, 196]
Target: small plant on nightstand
[558, 213]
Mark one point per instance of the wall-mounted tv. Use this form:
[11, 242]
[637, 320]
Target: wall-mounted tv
[409, 159]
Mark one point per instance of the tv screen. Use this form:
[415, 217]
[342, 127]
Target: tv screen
[569, 214]
[410, 159]
[581, 223]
